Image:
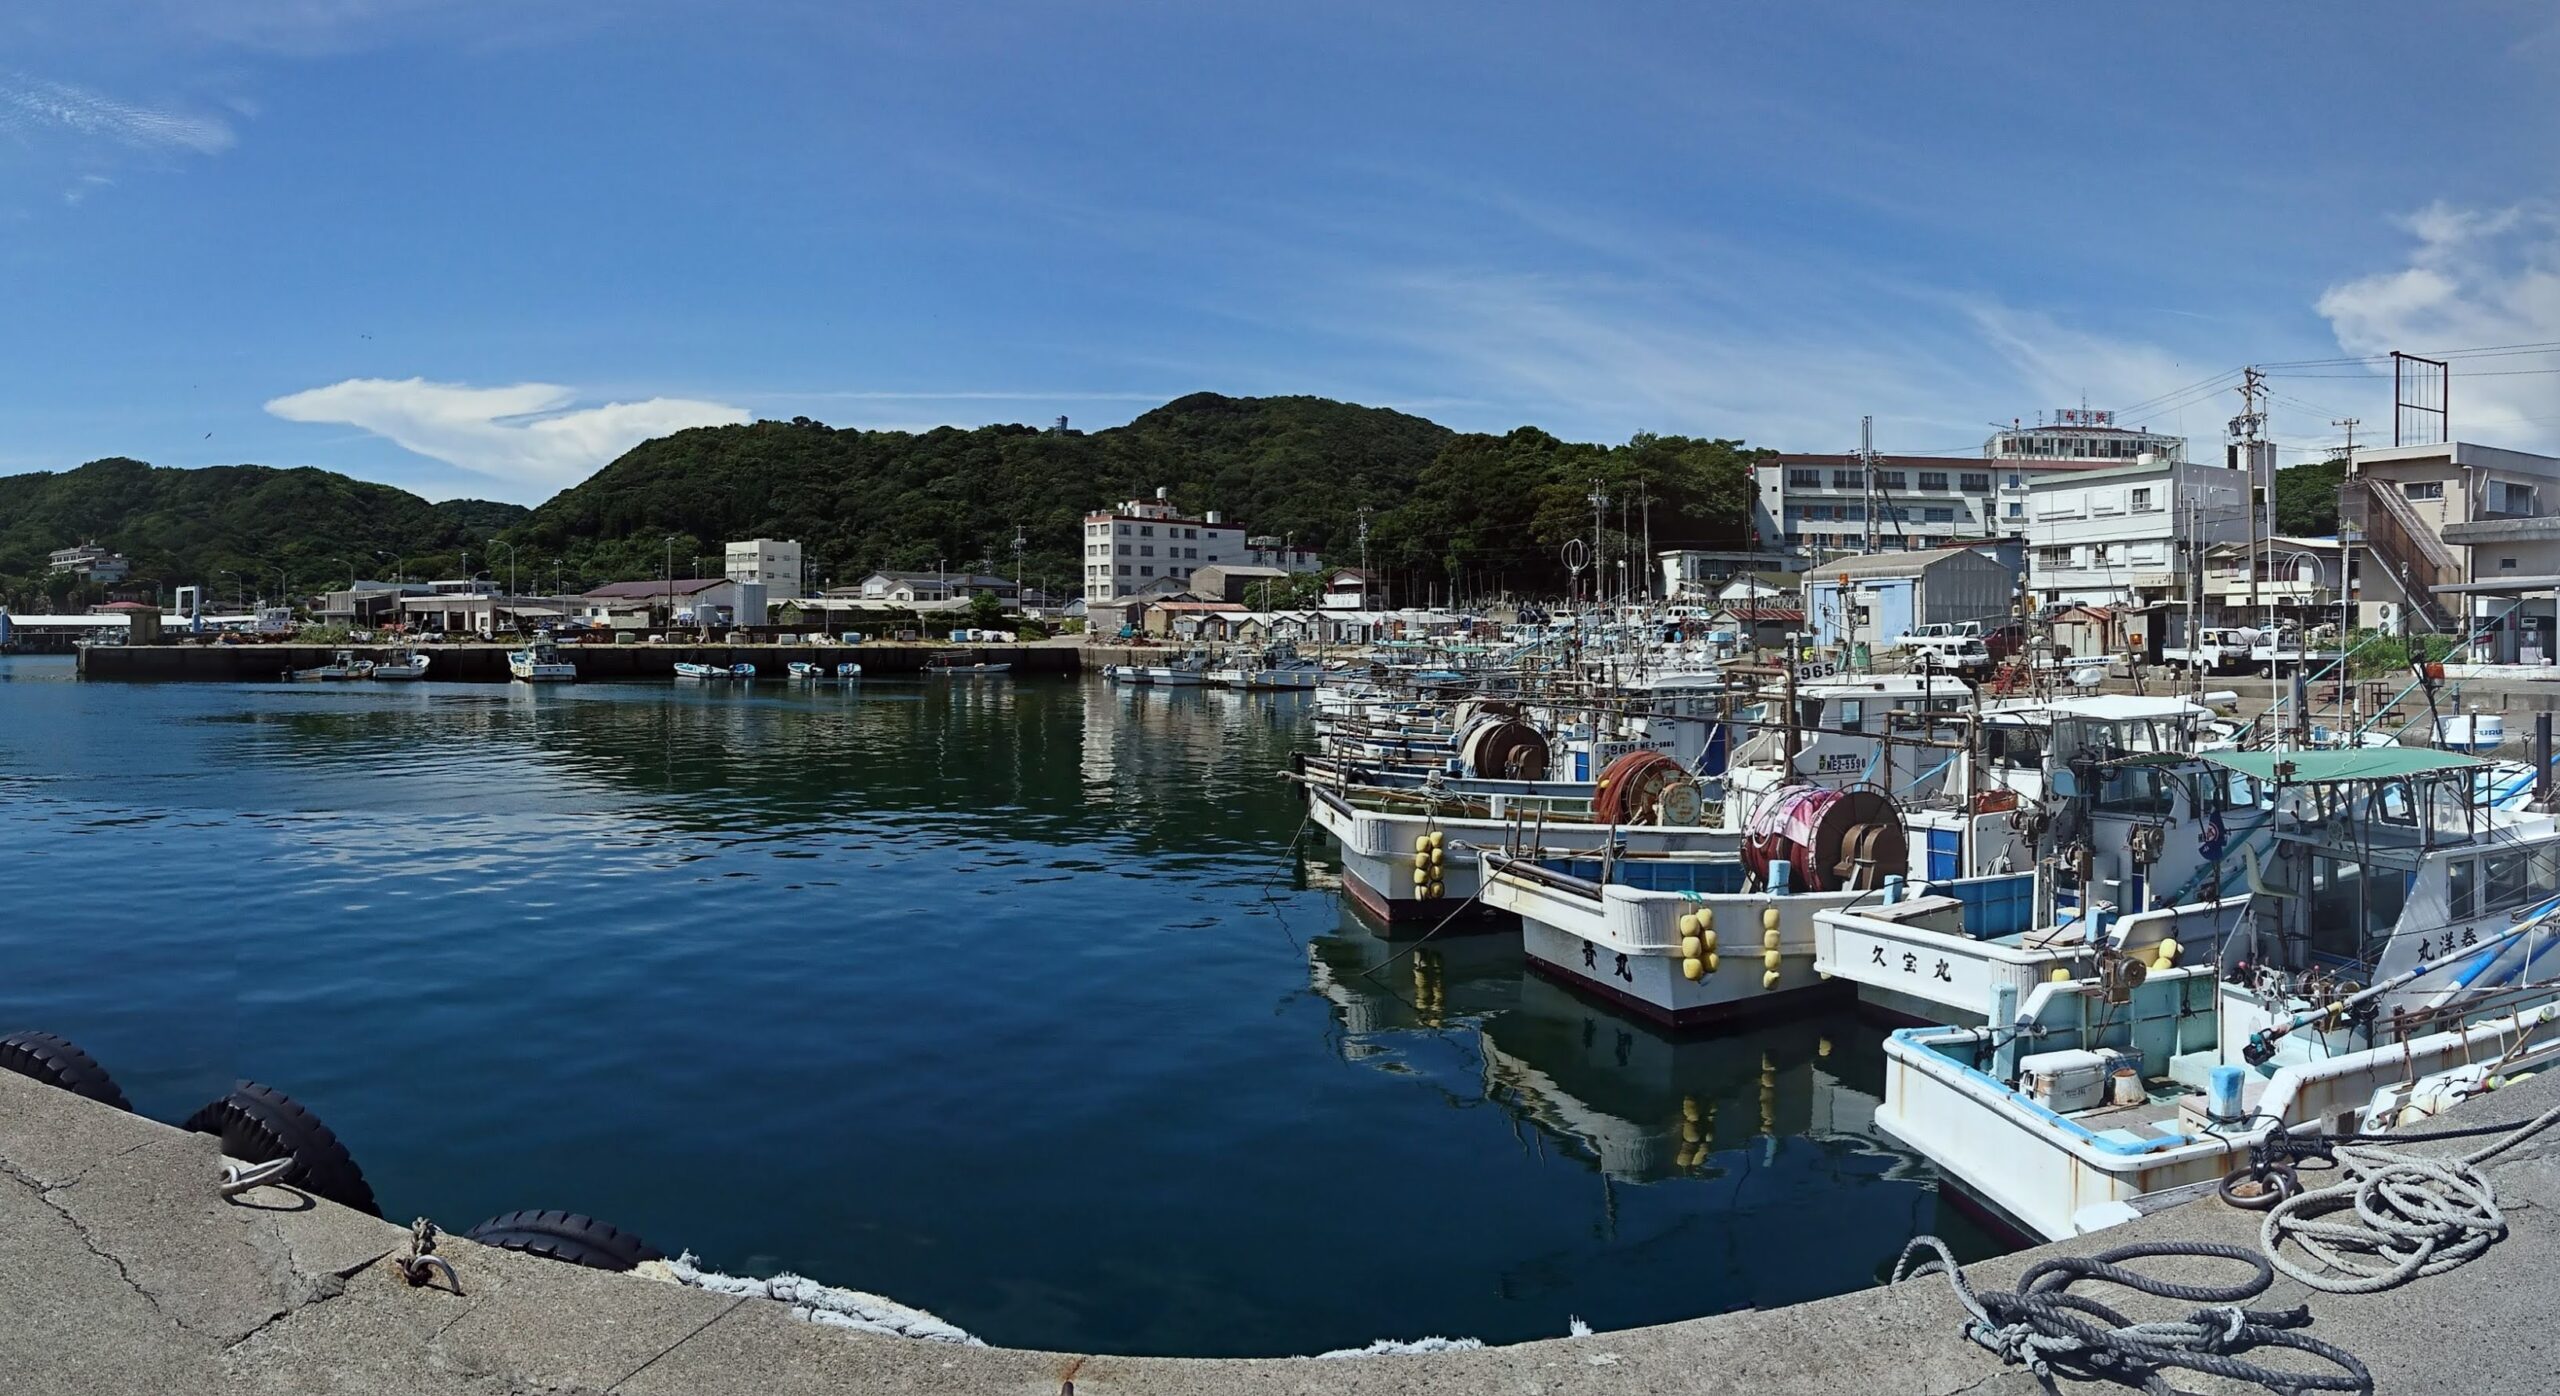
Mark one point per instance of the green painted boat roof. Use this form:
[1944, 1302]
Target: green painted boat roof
[2357, 763]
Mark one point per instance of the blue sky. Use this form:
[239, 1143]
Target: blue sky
[479, 248]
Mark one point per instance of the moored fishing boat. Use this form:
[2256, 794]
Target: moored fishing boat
[342, 665]
[402, 665]
[540, 662]
[2395, 952]
[955, 668]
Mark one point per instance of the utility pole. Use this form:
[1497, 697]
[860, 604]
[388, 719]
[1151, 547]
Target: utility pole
[1599, 541]
[2245, 431]
[1364, 541]
[2346, 571]
[1648, 538]
[1867, 472]
[1017, 565]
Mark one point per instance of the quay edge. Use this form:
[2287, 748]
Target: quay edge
[126, 1272]
[487, 663]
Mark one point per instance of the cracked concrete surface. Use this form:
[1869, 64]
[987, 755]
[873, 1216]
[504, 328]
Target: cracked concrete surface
[122, 1270]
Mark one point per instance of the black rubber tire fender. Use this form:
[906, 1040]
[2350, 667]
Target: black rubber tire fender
[42, 1056]
[260, 1124]
[571, 1237]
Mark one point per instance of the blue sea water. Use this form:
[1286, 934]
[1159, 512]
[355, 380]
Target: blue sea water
[1027, 1001]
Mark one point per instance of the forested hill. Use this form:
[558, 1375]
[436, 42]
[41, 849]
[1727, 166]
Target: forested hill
[1444, 508]
[192, 525]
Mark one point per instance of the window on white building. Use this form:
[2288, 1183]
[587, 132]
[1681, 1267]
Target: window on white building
[1976, 482]
[1933, 479]
[2423, 489]
[2141, 500]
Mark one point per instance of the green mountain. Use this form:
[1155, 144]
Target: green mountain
[1444, 508]
[183, 526]
[1444, 511]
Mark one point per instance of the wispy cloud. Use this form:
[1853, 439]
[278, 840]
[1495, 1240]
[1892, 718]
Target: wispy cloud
[32, 107]
[2473, 278]
[527, 434]
[85, 186]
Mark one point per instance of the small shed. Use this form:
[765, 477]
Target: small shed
[1878, 598]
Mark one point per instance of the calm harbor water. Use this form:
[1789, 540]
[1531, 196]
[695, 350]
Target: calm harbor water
[1005, 999]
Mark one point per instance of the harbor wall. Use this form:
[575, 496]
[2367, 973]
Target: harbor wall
[192, 663]
[127, 1271]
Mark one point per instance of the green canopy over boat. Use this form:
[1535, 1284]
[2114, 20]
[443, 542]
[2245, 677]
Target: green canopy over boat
[2352, 763]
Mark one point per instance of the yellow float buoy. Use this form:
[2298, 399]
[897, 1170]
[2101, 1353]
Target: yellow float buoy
[1438, 838]
[1769, 979]
[1689, 1108]
[1769, 960]
[1693, 969]
[1711, 962]
[1822, 1047]
[1769, 940]
[1688, 923]
[1435, 857]
[1421, 843]
[1689, 1132]
[2059, 975]
[2165, 955]
[1706, 939]
[1769, 920]
[1690, 949]
[1706, 918]
[1421, 875]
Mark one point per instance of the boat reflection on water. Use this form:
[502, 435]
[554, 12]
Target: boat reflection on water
[1773, 1128]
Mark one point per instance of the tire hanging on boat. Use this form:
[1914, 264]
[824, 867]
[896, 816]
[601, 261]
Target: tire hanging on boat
[570, 1237]
[43, 1056]
[1631, 787]
[260, 1124]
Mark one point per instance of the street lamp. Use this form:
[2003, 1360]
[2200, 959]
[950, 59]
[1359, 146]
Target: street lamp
[671, 581]
[511, 563]
[283, 590]
[399, 565]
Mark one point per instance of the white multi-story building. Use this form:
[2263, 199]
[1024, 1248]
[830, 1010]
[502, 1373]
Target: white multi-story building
[1822, 503]
[773, 562]
[1145, 539]
[90, 562]
[2129, 534]
[1267, 551]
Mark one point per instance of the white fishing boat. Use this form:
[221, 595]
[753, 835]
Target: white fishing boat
[540, 662]
[2394, 953]
[964, 669]
[802, 671]
[847, 669]
[1648, 932]
[686, 669]
[402, 665]
[342, 665]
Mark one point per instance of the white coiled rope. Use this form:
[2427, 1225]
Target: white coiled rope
[2414, 1216]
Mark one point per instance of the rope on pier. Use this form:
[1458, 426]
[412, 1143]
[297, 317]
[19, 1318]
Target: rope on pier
[2414, 1216]
[817, 1303]
[2050, 1331]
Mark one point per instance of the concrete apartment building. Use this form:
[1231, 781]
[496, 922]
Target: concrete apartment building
[2460, 537]
[1822, 503]
[773, 563]
[89, 562]
[2128, 535]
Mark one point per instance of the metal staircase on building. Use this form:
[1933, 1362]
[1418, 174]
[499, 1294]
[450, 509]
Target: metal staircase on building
[2411, 556]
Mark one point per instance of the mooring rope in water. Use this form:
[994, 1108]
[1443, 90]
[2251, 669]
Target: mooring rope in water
[2042, 1326]
[2414, 1216]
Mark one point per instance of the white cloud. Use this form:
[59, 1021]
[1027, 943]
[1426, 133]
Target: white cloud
[525, 434]
[2473, 279]
[29, 105]
[85, 186]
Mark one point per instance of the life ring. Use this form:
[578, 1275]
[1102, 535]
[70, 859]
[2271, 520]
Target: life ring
[260, 1124]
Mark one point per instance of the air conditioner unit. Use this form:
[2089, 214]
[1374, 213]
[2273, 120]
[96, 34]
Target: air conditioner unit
[2386, 615]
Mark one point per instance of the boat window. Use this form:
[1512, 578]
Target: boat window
[2239, 791]
[2020, 747]
[1853, 715]
[2504, 879]
[2353, 908]
[2460, 901]
[2448, 811]
[2391, 804]
[1808, 712]
[2134, 790]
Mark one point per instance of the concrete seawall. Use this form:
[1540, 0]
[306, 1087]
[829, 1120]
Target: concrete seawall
[488, 663]
[123, 1270]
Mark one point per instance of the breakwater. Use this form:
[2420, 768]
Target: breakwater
[193, 663]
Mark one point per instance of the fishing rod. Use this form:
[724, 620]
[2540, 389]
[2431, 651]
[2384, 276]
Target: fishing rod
[2261, 1047]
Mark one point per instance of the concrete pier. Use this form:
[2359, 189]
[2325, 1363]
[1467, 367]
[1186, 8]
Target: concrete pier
[122, 1270]
[476, 663]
